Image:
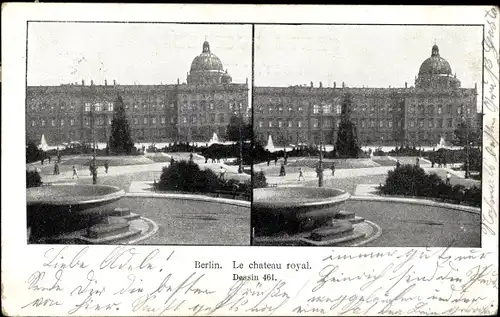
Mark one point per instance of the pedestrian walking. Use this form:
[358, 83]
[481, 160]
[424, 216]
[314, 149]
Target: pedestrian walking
[417, 161]
[56, 168]
[268, 162]
[191, 157]
[448, 178]
[398, 164]
[106, 167]
[41, 160]
[333, 169]
[301, 174]
[75, 172]
[50, 159]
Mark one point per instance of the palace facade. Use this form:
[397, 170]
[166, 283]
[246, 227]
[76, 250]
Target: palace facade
[419, 115]
[186, 112]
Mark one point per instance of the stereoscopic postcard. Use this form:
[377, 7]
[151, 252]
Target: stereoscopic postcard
[244, 160]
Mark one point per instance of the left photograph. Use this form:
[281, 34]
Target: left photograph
[138, 133]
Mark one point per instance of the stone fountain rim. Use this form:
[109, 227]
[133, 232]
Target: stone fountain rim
[344, 196]
[106, 198]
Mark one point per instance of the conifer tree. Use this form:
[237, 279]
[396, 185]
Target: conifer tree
[347, 142]
[120, 140]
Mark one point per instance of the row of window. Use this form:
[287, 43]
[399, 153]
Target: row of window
[211, 119]
[412, 109]
[53, 122]
[438, 123]
[98, 121]
[199, 97]
[152, 120]
[281, 124]
[328, 108]
[235, 107]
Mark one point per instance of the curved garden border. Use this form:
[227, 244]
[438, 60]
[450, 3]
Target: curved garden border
[154, 229]
[418, 201]
[240, 203]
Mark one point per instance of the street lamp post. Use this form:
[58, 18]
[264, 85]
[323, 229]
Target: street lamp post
[94, 169]
[466, 147]
[240, 167]
[320, 165]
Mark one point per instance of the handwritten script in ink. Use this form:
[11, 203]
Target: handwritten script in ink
[490, 133]
[146, 281]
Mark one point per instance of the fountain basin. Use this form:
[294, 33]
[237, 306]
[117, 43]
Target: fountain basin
[52, 210]
[294, 209]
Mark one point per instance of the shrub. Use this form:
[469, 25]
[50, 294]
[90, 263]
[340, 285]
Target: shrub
[259, 180]
[411, 180]
[33, 179]
[185, 176]
[405, 180]
[33, 153]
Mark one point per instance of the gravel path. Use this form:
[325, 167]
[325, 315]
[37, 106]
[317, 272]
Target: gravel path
[407, 225]
[192, 222]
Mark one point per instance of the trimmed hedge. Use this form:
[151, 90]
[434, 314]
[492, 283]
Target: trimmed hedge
[411, 180]
[33, 179]
[187, 176]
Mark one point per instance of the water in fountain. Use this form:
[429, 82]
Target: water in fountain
[43, 144]
[441, 143]
[270, 145]
[214, 139]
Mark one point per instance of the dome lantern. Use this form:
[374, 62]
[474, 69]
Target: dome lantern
[206, 47]
[435, 50]
[436, 72]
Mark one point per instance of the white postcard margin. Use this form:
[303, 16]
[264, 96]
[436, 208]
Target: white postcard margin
[148, 280]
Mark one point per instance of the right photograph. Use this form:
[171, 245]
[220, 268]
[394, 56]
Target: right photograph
[367, 135]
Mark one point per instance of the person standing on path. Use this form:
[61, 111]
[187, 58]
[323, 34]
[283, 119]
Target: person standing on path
[56, 168]
[301, 174]
[282, 170]
[106, 166]
[448, 178]
[222, 173]
[50, 158]
[75, 172]
[333, 169]
[398, 164]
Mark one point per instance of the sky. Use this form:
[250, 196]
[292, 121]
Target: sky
[370, 56]
[62, 53]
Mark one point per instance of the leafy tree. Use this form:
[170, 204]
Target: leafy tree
[464, 134]
[233, 129]
[347, 143]
[33, 153]
[120, 140]
[259, 180]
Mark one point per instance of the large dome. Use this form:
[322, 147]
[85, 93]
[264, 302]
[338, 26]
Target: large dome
[435, 65]
[206, 61]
